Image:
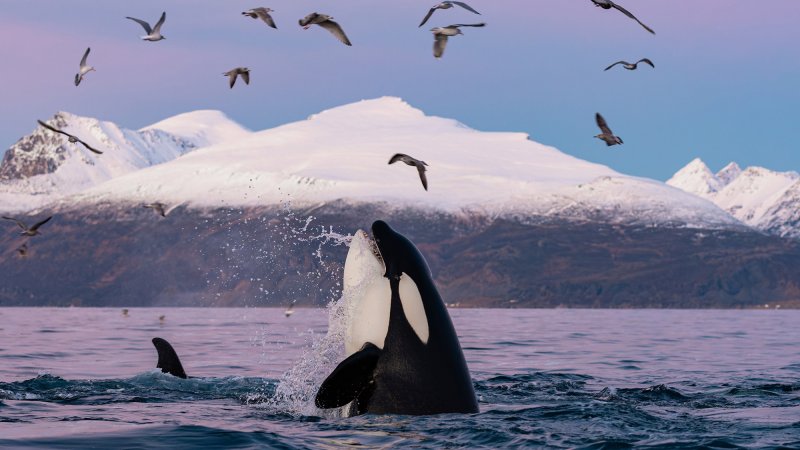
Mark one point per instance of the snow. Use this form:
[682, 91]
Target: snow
[696, 178]
[342, 154]
[124, 151]
[762, 198]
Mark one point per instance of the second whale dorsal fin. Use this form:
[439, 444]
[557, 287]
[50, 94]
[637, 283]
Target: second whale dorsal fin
[349, 379]
[168, 360]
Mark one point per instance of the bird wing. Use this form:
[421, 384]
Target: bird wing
[627, 13]
[40, 223]
[482, 24]
[245, 77]
[231, 78]
[54, 129]
[85, 55]
[336, 30]
[439, 43]
[422, 177]
[264, 15]
[618, 62]
[144, 24]
[397, 157]
[601, 122]
[89, 147]
[19, 223]
[160, 22]
[466, 6]
[78, 79]
[646, 61]
[428, 16]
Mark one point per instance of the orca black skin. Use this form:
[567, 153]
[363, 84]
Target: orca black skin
[168, 360]
[407, 376]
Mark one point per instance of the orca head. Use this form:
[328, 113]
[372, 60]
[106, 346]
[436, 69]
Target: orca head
[398, 253]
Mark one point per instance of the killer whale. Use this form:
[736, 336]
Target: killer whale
[168, 360]
[415, 364]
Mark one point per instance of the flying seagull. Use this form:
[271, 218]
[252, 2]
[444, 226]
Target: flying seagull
[28, 231]
[84, 68]
[22, 250]
[244, 72]
[70, 137]
[153, 34]
[261, 13]
[608, 4]
[446, 5]
[630, 66]
[607, 135]
[440, 35]
[420, 165]
[158, 207]
[326, 22]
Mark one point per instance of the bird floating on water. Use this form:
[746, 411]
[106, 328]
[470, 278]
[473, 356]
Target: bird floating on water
[446, 5]
[325, 21]
[411, 161]
[607, 135]
[84, 68]
[608, 4]
[125, 312]
[440, 35]
[632, 66]
[290, 309]
[244, 72]
[158, 207]
[261, 13]
[33, 230]
[153, 34]
[73, 139]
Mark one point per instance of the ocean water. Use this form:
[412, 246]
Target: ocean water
[593, 379]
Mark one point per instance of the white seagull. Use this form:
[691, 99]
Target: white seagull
[411, 161]
[325, 21]
[261, 13]
[440, 35]
[71, 138]
[446, 5]
[153, 34]
[244, 72]
[608, 4]
[84, 68]
[632, 66]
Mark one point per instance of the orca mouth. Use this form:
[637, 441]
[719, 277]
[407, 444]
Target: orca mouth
[376, 251]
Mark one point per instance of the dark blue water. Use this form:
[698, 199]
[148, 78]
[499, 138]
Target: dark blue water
[594, 379]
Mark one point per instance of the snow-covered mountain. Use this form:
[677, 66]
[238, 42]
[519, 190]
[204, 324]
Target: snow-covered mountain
[204, 160]
[43, 166]
[341, 155]
[762, 198]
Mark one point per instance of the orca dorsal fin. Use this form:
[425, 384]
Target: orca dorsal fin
[168, 360]
[350, 379]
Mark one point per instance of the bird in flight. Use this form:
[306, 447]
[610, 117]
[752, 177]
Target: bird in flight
[446, 5]
[420, 165]
[261, 13]
[244, 72]
[83, 68]
[70, 138]
[326, 22]
[153, 34]
[608, 4]
[440, 35]
[630, 66]
[33, 230]
[607, 135]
